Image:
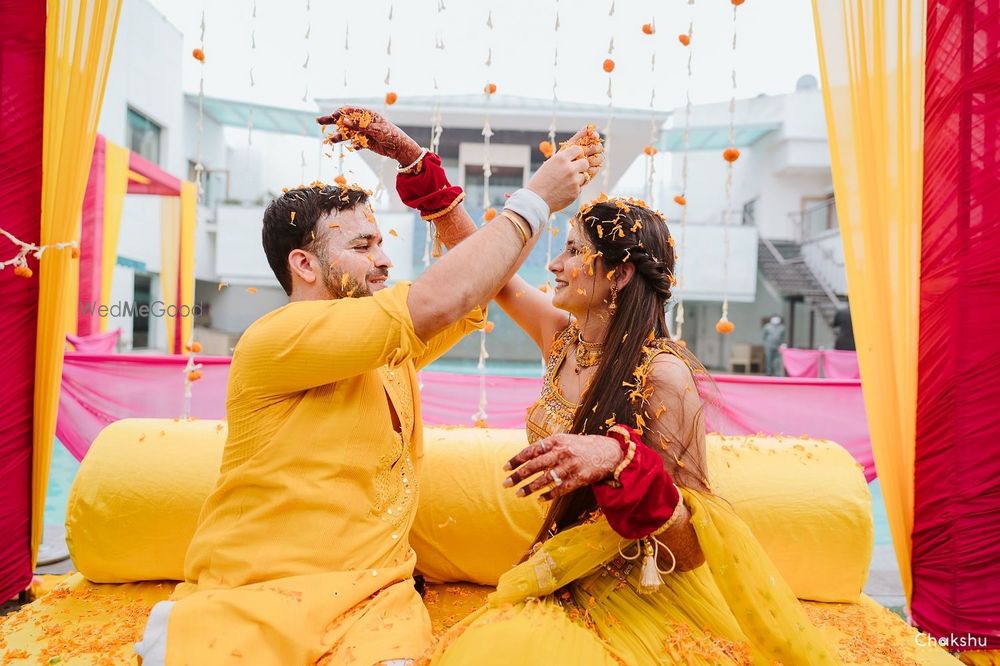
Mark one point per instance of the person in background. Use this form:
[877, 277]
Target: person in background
[845, 331]
[773, 334]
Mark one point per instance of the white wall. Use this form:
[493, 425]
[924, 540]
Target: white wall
[704, 271]
[239, 255]
[825, 255]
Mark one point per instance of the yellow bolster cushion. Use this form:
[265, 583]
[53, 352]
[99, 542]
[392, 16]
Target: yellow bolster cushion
[136, 498]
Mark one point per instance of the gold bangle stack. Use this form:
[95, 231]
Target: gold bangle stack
[674, 517]
[517, 225]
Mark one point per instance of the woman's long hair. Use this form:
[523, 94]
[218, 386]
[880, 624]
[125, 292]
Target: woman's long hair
[624, 231]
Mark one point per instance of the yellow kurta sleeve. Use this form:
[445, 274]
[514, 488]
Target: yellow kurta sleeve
[313, 343]
[439, 344]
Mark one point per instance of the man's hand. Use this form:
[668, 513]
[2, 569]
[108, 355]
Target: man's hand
[564, 461]
[382, 136]
[561, 177]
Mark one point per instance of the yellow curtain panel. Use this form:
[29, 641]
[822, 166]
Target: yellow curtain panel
[871, 55]
[79, 38]
[115, 184]
[189, 215]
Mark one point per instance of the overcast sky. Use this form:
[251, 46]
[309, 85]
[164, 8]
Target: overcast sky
[776, 45]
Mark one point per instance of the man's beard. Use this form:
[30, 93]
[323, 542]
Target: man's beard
[343, 285]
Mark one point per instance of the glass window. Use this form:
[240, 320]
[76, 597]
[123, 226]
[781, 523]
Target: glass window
[143, 136]
[142, 295]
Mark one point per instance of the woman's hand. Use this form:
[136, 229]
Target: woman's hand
[383, 137]
[561, 177]
[564, 461]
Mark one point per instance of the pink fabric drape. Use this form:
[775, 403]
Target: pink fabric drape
[92, 243]
[801, 362]
[22, 77]
[99, 389]
[98, 343]
[840, 364]
[160, 182]
[956, 508]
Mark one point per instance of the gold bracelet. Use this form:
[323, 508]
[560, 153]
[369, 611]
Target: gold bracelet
[434, 216]
[674, 517]
[623, 465]
[517, 225]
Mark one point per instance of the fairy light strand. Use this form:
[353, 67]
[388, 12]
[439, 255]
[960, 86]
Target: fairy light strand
[681, 257]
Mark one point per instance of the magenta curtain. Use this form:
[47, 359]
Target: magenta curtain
[956, 524]
[22, 77]
[92, 242]
[840, 364]
[98, 343]
[99, 389]
[801, 362]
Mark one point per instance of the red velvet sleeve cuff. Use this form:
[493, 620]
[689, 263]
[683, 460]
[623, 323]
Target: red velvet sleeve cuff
[647, 496]
[428, 190]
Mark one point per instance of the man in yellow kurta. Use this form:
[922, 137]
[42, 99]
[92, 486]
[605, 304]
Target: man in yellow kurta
[301, 553]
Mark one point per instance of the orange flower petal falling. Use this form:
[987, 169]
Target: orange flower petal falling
[390, 98]
[75, 252]
[731, 154]
[609, 65]
[680, 200]
[724, 326]
[684, 39]
[490, 214]
[340, 180]
[545, 147]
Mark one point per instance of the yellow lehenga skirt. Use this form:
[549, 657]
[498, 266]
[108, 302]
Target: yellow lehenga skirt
[575, 601]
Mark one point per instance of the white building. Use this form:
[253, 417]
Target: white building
[782, 195]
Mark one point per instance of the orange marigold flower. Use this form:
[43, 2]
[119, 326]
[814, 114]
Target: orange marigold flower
[680, 200]
[730, 154]
[390, 98]
[684, 38]
[490, 214]
[393, 233]
[194, 375]
[193, 347]
[647, 28]
[340, 180]
[489, 327]
[490, 88]
[74, 252]
[198, 55]
[481, 423]
[22, 271]
[650, 150]
[545, 147]
[724, 326]
[544, 288]
[737, 3]
[609, 65]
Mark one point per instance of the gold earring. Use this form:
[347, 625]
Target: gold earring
[614, 299]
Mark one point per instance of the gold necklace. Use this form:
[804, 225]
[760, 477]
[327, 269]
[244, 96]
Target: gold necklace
[588, 354]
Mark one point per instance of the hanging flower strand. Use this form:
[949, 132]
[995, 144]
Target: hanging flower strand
[390, 95]
[432, 244]
[547, 148]
[480, 418]
[609, 67]
[681, 199]
[730, 155]
[20, 260]
[308, 40]
[654, 133]
[253, 60]
[192, 373]
[199, 166]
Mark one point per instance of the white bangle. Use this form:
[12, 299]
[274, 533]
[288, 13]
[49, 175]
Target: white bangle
[423, 154]
[531, 207]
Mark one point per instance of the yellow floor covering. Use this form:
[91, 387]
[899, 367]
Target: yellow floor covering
[78, 622]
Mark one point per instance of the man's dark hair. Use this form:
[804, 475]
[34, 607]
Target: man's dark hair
[290, 223]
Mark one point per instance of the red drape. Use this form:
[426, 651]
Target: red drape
[22, 78]
[956, 531]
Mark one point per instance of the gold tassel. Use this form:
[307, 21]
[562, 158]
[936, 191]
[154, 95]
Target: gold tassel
[436, 243]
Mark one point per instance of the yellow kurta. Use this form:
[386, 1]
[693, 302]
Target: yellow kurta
[301, 552]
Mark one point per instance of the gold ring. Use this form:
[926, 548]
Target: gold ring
[586, 177]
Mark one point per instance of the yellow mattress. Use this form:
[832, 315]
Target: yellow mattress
[79, 622]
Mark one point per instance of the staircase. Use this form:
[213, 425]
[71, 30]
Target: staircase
[782, 265]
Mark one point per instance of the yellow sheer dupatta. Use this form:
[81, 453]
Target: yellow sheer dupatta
[767, 611]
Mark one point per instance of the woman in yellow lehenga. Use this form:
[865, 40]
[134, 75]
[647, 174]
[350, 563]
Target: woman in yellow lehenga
[638, 562]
